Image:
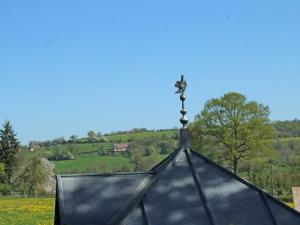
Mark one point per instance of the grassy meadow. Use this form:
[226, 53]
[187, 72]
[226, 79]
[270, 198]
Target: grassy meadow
[86, 163]
[93, 157]
[26, 211]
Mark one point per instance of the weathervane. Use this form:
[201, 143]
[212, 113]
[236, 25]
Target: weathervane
[181, 85]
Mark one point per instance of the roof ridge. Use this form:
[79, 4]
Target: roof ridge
[201, 192]
[158, 170]
[160, 166]
[131, 203]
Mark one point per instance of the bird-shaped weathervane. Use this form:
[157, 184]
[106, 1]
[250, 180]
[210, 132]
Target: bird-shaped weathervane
[181, 85]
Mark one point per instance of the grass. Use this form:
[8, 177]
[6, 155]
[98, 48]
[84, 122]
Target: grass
[82, 164]
[81, 148]
[26, 211]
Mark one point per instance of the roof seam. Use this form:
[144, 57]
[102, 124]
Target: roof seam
[159, 167]
[144, 213]
[162, 169]
[264, 198]
[244, 181]
[200, 191]
[126, 219]
[131, 203]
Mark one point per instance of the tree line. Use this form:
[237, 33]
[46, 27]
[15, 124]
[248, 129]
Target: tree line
[92, 137]
[288, 128]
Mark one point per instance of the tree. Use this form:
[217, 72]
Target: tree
[74, 149]
[8, 148]
[73, 138]
[287, 128]
[150, 161]
[59, 141]
[167, 146]
[296, 158]
[2, 172]
[151, 150]
[33, 174]
[92, 134]
[102, 139]
[136, 153]
[240, 126]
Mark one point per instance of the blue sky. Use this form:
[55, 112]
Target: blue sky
[67, 67]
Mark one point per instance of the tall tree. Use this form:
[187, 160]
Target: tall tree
[73, 138]
[8, 147]
[2, 172]
[92, 134]
[240, 126]
[34, 173]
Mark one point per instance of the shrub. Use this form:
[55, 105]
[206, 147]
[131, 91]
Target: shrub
[5, 189]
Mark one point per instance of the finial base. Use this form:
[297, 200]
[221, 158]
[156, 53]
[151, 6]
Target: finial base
[185, 138]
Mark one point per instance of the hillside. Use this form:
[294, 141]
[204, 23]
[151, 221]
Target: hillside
[98, 156]
[147, 148]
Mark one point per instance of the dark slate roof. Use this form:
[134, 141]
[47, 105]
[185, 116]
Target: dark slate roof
[185, 189]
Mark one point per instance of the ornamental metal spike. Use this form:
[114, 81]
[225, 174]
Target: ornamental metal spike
[182, 85]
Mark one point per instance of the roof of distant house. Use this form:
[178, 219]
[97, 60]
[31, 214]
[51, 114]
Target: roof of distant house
[120, 145]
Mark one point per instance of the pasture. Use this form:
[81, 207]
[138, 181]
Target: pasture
[26, 211]
[88, 163]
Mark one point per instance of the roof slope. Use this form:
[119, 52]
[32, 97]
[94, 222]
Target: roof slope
[184, 189]
[84, 199]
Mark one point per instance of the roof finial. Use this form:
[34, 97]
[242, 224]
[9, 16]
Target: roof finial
[181, 85]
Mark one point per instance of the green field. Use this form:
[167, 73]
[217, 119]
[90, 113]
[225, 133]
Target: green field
[26, 211]
[84, 164]
[96, 157]
[81, 148]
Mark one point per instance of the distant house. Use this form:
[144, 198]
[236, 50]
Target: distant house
[34, 147]
[120, 147]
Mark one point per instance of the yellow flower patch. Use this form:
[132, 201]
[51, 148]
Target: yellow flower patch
[26, 211]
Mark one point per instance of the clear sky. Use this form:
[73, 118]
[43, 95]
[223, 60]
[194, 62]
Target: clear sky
[67, 67]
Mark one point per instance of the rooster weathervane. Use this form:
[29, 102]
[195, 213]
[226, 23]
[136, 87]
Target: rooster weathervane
[182, 85]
